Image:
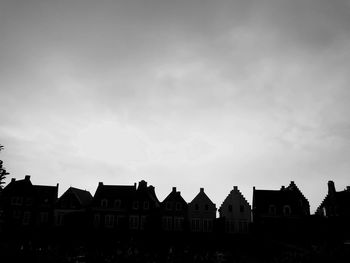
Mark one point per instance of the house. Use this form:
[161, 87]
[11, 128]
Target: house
[235, 212]
[124, 207]
[174, 211]
[280, 211]
[71, 207]
[336, 203]
[335, 212]
[28, 206]
[201, 213]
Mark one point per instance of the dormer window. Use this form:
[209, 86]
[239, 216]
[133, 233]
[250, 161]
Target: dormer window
[104, 202]
[287, 210]
[272, 209]
[135, 205]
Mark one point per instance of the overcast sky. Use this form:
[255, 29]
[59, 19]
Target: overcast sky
[180, 93]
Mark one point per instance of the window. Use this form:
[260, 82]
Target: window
[16, 214]
[272, 210]
[109, 221]
[168, 206]
[16, 200]
[230, 208]
[117, 203]
[206, 207]
[26, 218]
[143, 222]
[145, 205]
[240, 226]
[196, 207]
[286, 210]
[59, 219]
[196, 224]
[178, 223]
[44, 217]
[178, 206]
[135, 205]
[104, 202]
[241, 208]
[207, 225]
[167, 223]
[97, 220]
[134, 222]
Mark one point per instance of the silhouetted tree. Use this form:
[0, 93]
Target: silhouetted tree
[3, 172]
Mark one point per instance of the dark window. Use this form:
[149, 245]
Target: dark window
[146, 205]
[135, 205]
[230, 208]
[178, 206]
[241, 208]
[196, 207]
[168, 206]
[206, 207]
[272, 209]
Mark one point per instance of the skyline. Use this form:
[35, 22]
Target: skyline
[179, 93]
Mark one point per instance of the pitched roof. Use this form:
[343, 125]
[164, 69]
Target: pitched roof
[83, 196]
[114, 191]
[288, 195]
[202, 196]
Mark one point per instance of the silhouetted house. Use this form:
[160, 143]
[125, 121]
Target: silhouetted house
[201, 213]
[281, 210]
[335, 212]
[124, 207]
[174, 212]
[335, 204]
[71, 208]
[235, 212]
[145, 207]
[27, 206]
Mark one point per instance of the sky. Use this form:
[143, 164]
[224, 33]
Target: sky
[185, 93]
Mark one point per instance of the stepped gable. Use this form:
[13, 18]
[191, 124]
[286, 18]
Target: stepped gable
[340, 199]
[235, 190]
[293, 187]
[145, 192]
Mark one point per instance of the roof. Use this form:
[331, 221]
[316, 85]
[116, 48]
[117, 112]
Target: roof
[84, 197]
[174, 196]
[202, 197]
[288, 195]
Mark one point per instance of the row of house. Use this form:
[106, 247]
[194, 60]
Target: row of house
[137, 208]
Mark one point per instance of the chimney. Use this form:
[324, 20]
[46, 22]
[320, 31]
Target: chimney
[27, 177]
[142, 184]
[235, 188]
[201, 190]
[174, 189]
[13, 180]
[331, 188]
[100, 183]
[348, 188]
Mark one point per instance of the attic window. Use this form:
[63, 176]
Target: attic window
[168, 206]
[146, 205]
[230, 208]
[178, 206]
[286, 210]
[206, 207]
[104, 202]
[241, 208]
[272, 209]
